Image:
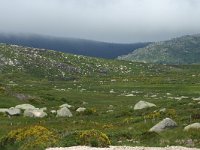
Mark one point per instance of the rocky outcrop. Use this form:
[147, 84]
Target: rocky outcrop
[25, 106]
[163, 125]
[3, 110]
[143, 104]
[13, 111]
[36, 113]
[192, 126]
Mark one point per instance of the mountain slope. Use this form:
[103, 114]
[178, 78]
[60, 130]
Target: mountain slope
[48, 63]
[183, 50]
[18, 61]
[71, 45]
[52, 64]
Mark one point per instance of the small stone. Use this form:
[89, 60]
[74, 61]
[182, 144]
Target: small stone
[163, 110]
[81, 109]
[53, 111]
[64, 112]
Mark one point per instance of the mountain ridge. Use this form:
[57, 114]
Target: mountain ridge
[181, 50]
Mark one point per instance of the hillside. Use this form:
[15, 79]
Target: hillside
[79, 100]
[52, 65]
[182, 50]
[72, 45]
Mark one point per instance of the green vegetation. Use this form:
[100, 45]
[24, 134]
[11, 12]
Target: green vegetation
[94, 138]
[108, 89]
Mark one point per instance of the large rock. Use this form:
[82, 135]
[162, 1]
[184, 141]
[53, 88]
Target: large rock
[3, 110]
[196, 99]
[143, 104]
[13, 111]
[81, 109]
[64, 112]
[25, 106]
[163, 125]
[65, 105]
[36, 113]
[192, 126]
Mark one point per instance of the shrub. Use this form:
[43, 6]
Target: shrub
[171, 113]
[94, 138]
[152, 115]
[35, 137]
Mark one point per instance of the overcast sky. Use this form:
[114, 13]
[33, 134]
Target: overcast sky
[105, 20]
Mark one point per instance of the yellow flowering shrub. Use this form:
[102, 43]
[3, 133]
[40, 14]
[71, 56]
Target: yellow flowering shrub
[152, 115]
[171, 113]
[29, 138]
[94, 138]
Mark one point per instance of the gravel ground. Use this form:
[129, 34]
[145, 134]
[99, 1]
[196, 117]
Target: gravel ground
[124, 148]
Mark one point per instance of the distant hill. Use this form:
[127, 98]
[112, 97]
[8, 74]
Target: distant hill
[72, 45]
[182, 50]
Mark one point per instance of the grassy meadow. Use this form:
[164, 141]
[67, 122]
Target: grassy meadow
[109, 98]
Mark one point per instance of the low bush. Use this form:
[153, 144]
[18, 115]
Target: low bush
[29, 138]
[171, 113]
[94, 138]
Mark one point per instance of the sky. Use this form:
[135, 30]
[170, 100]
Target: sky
[123, 21]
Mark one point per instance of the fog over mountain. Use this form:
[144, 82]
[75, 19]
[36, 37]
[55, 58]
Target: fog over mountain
[72, 45]
[124, 21]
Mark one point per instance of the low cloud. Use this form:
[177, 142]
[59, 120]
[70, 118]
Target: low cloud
[105, 20]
